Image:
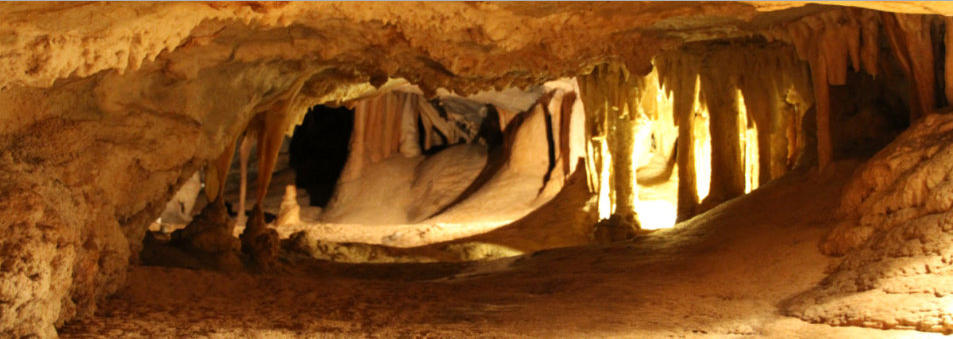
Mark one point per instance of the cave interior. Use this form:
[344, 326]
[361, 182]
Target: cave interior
[490, 169]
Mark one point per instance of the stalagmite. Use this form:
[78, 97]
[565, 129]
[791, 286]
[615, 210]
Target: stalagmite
[211, 233]
[258, 240]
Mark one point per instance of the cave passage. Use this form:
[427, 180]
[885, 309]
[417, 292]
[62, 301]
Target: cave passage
[319, 149]
[362, 170]
[657, 148]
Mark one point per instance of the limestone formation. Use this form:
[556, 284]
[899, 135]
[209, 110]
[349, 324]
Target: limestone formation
[107, 110]
[896, 236]
[709, 77]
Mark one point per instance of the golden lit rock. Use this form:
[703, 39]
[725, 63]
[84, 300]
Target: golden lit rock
[475, 169]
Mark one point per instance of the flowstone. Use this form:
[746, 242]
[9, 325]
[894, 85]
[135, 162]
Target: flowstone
[898, 239]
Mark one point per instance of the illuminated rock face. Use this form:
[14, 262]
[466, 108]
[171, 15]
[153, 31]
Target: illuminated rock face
[896, 237]
[103, 117]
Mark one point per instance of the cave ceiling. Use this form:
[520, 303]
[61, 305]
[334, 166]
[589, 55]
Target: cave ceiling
[460, 46]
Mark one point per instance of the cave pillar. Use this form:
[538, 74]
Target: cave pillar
[610, 96]
[684, 96]
[623, 99]
[623, 153]
[761, 102]
[727, 160]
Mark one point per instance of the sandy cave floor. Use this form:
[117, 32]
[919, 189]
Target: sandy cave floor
[723, 273]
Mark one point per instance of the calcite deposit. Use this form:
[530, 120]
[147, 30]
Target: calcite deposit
[130, 134]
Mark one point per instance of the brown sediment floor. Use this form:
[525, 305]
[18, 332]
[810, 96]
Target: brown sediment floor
[724, 273]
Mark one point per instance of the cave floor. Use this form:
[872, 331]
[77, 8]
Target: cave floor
[724, 273]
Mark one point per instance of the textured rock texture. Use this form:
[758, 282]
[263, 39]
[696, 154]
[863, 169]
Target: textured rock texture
[106, 108]
[898, 236]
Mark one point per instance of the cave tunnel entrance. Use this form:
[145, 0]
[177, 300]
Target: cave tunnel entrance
[319, 150]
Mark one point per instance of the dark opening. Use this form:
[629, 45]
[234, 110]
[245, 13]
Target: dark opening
[319, 150]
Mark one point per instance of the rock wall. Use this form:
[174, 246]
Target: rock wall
[105, 108]
[897, 236]
[88, 175]
[104, 116]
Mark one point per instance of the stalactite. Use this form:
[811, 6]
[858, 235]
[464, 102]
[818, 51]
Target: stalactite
[829, 67]
[356, 154]
[909, 37]
[408, 139]
[948, 60]
[827, 41]
[388, 113]
[766, 74]
[870, 41]
[371, 130]
[427, 125]
[825, 149]
[551, 136]
[679, 79]
[595, 136]
[387, 124]
[432, 118]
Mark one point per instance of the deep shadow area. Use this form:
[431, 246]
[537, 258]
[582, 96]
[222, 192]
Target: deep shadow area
[319, 150]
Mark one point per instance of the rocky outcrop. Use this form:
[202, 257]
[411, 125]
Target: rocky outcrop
[897, 237]
[90, 163]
